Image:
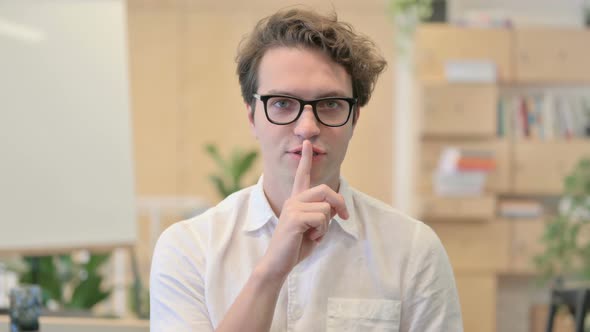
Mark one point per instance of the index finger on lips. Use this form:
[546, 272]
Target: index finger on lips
[303, 173]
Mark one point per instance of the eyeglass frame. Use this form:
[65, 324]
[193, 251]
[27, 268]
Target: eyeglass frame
[302, 102]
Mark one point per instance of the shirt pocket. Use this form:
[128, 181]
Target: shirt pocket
[363, 315]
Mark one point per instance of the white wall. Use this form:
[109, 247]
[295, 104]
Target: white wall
[65, 140]
[524, 12]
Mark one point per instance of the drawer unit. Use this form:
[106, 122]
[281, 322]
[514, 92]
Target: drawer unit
[437, 43]
[476, 246]
[552, 55]
[540, 167]
[459, 110]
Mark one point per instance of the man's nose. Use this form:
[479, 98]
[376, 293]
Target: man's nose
[307, 126]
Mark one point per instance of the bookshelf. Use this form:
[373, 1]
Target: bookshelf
[532, 121]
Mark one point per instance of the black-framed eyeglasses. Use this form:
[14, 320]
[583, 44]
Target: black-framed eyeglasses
[330, 111]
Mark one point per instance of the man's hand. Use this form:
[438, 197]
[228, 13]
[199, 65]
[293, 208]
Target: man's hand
[304, 219]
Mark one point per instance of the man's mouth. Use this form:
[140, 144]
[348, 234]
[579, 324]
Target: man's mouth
[299, 153]
[317, 151]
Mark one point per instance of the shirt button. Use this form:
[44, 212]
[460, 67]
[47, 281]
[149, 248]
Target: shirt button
[297, 312]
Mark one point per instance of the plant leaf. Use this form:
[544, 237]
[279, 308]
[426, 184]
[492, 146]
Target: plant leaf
[96, 261]
[246, 163]
[88, 293]
[220, 185]
[214, 153]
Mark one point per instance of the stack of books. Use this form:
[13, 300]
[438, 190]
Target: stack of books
[463, 172]
[520, 208]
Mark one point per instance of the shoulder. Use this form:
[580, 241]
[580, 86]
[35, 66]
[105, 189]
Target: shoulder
[380, 212]
[394, 224]
[195, 231]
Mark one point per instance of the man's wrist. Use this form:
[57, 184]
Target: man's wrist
[265, 274]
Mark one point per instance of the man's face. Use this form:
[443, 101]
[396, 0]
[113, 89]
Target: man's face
[306, 74]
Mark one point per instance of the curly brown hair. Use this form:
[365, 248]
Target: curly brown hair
[304, 28]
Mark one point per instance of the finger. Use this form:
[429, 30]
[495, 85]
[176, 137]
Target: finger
[323, 193]
[323, 207]
[315, 221]
[315, 235]
[302, 175]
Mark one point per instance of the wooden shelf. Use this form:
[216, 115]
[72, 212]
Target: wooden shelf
[459, 209]
[481, 246]
[540, 167]
[476, 246]
[70, 324]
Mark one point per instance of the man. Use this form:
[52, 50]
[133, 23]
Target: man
[301, 250]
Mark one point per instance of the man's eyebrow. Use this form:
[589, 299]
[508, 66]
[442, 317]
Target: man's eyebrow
[332, 93]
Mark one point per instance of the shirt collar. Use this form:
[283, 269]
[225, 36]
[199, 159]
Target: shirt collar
[351, 225]
[260, 212]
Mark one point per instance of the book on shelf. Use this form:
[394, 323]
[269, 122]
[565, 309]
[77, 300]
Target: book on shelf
[463, 172]
[545, 116]
[470, 71]
[475, 164]
[520, 208]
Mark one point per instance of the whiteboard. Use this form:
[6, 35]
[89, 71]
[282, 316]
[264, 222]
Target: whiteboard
[66, 172]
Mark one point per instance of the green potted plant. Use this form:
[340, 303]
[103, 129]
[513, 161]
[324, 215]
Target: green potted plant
[406, 16]
[566, 239]
[231, 170]
[68, 283]
[421, 8]
[565, 260]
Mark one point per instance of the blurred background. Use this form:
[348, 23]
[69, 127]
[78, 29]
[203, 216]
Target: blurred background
[119, 118]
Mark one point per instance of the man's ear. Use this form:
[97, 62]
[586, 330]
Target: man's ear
[250, 111]
[357, 115]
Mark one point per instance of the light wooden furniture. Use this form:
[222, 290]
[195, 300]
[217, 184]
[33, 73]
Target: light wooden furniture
[437, 43]
[482, 247]
[499, 179]
[450, 106]
[476, 247]
[551, 55]
[473, 287]
[539, 167]
[66, 324]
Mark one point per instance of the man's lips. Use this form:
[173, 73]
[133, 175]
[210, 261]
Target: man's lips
[316, 151]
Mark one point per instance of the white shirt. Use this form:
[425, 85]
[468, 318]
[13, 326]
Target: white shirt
[377, 271]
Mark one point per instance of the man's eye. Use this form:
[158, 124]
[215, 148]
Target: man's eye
[282, 103]
[332, 104]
